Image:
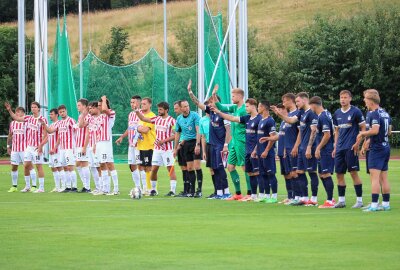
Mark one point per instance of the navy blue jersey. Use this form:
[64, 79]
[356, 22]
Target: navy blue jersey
[307, 119]
[348, 123]
[325, 125]
[266, 127]
[217, 129]
[379, 117]
[281, 140]
[251, 131]
[291, 130]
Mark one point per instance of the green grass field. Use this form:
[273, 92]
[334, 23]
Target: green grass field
[81, 231]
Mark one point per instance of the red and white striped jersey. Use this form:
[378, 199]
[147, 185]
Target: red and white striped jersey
[34, 130]
[18, 130]
[53, 137]
[81, 132]
[164, 130]
[93, 126]
[66, 133]
[106, 122]
[133, 121]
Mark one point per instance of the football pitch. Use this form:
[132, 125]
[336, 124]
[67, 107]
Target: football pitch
[81, 231]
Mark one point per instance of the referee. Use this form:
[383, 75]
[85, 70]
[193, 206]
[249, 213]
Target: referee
[188, 139]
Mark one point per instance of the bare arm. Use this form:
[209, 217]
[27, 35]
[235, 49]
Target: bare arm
[324, 140]
[142, 117]
[226, 116]
[194, 98]
[9, 141]
[12, 114]
[287, 119]
[313, 135]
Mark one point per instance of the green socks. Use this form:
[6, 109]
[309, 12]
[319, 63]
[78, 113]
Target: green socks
[235, 180]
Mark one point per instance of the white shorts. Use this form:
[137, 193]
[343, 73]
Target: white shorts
[92, 158]
[31, 155]
[104, 152]
[80, 156]
[133, 156]
[163, 158]
[17, 158]
[66, 157]
[54, 161]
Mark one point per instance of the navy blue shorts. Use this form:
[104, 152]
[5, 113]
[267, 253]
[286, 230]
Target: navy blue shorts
[267, 165]
[305, 164]
[291, 162]
[251, 165]
[216, 159]
[284, 166]
[366, 161]
[345, 160]
[379, 159]
[326, 164]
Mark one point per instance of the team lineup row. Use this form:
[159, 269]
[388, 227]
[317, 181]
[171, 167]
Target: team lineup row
[243, 134]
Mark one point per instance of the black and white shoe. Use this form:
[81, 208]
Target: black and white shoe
[153, 193]
[170, 194]
[74, 189]
[66, 190]
[198, 194]
[212, 196]
[190, 195]
[182, 194]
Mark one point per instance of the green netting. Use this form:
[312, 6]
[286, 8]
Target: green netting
[144, 77]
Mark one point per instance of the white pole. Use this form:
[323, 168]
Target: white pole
[232, 45]
[220, 53]
[243, 53]
[200, 49]
[37, 50]
[80, 52]
[165, 53]
[21, 54]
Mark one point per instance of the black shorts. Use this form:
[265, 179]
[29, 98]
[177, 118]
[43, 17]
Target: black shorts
[188, 151]
[181, 160]
[208, 155]
[145, 157]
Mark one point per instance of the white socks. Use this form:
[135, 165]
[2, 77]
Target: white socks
[143, 179]
[96, 178]
[114, 176]
[41, 183]
[62, 179]
[136, 178]
[27, 181]
[153, 185]
[173, 185]
[56, 176]
[33, 177]
[74, 179]
[106, 181]
[86, 177]
[14, 178]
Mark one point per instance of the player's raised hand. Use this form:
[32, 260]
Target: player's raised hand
[7, 106]
[263, 139]
[118, 141]
[274, 109]
[104, 98]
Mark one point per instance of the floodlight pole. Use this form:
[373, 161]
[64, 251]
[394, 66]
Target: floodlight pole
[80, 52]
[41, 76]
[243, 50]
[232, 45]
[200, 50]
[21, 54]
[165, 53]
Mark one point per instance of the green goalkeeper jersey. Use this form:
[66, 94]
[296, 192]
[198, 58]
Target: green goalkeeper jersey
[238, 130]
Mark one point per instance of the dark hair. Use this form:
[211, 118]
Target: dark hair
[290, 96]
[36, 103]
[136, 97]
[302, 95]
[265, 103]
[83, 101]
[149, 100]
[21, 109]
[252, 101]
[107, 102]
[316, 100]
[54, 110]
[280, 106]
[62, 107]
[93, 104]
[178, 102]
[345, 92]
[163, 105]
[206, 102]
